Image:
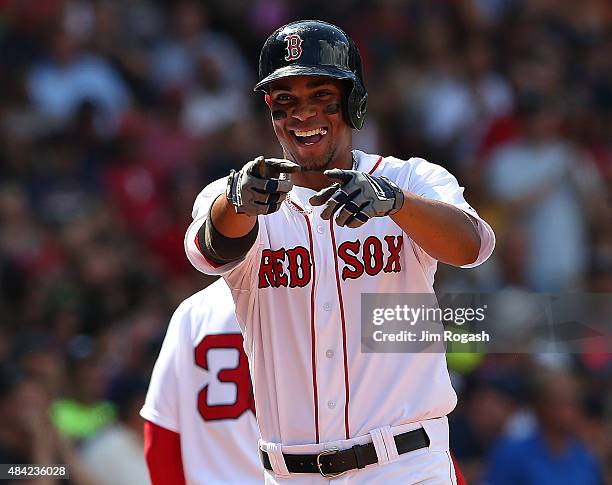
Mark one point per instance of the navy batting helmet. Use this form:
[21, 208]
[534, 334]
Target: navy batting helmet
[315, 48]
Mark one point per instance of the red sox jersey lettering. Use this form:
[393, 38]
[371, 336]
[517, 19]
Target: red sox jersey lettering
[371, 257]
[272, 272]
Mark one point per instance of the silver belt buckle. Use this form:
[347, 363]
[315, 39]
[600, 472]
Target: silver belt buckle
[330, 451]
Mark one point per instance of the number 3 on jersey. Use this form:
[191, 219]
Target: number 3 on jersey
[238, 375]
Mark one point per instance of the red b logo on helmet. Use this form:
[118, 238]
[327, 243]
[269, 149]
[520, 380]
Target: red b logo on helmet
[294, 49]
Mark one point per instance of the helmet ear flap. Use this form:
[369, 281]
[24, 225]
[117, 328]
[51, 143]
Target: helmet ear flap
[356, 106]
[358, 98]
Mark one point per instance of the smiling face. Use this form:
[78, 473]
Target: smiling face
[308, 122]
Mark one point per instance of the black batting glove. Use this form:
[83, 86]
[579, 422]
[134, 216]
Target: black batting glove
[358, 197]
[260, 186]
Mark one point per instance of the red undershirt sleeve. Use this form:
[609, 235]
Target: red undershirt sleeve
[162, 450]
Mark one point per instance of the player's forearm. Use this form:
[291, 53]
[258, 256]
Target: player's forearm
[444, 232]
[215, 244]
[228, 222]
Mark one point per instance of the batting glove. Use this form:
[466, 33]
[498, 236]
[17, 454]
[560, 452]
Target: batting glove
[260, 186]
[358, 197]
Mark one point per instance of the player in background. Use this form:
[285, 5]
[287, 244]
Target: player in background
[200, 422]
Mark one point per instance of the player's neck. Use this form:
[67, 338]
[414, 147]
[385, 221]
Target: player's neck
[316, 180]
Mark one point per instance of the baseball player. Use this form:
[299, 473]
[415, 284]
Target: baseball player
[200, 424]
[299, 239]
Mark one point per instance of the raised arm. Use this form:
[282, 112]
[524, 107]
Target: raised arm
[444, 231]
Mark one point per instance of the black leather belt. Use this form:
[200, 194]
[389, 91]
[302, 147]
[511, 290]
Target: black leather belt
[333, 462]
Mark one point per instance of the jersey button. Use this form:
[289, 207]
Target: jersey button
[327, 306]
[331, 404]
[329, 353]
[320, 229]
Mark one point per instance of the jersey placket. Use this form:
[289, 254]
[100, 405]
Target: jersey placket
[329, 348]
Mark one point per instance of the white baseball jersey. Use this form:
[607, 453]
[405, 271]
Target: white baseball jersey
[297, 294]
[200, 388]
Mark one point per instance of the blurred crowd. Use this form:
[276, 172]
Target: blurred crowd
[115, 114]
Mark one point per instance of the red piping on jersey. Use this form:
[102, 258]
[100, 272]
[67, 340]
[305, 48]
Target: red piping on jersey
[341, 303]
[375, 166]
[312, 326]
[212, 263]
[346, 376]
